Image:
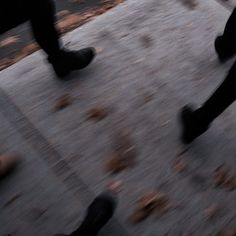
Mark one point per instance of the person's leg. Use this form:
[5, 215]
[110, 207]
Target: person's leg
[12, 13]
[42, 18]
[41, 15]
[225, 44]
[197, 122]
[98, 214]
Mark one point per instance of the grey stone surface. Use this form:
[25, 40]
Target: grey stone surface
[158, 48]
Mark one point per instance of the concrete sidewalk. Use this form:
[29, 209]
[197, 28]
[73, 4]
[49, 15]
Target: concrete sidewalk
[154, 57]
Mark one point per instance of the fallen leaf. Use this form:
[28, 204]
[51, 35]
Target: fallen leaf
[230, 183]
[146, 41]
[115, 165]
[220, 174]
[190, 4]
[63, 13]
[148, 97]
[115, 186]
[12, 200]
[30, 48]
[212, 211]
[9, 41]
[153, 202]
[180, 165]
[227, 232]
[63, 102]
[97, 113]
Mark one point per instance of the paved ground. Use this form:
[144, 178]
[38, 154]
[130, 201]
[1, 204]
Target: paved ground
[153, 58]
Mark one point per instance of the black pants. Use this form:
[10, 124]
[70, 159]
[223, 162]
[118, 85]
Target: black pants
[225, 94]
[40, 13]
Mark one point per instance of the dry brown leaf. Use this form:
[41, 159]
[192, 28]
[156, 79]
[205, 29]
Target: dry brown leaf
[180, 165]
[227, 232]
[30, 48]
[5, 62]
[9, 41]
[123, 154]
[63, 102]
[190, 4]
[148, 97]
[115, 165]
[230, 183]
[153, 202]
[220, 174]
[223, 177]
[63, 13]
[97, 113]
[146, 41]
[115, 186]
[212, 211]
[12, 200]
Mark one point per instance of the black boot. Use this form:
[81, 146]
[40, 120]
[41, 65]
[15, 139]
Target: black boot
[68, 61]
[98, 214]
[192, 126]
[224, 51]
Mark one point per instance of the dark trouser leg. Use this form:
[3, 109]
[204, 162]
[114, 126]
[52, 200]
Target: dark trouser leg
[98, 214]
[225, 45]
[42, 18]
[222, 98]
[12, 13]
[229, 35]
[41, 15]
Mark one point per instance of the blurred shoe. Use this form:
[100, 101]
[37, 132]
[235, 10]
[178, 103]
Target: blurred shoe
[98, 214]
[224, 52]
[191, 127]
[7, 163]
[69, 61]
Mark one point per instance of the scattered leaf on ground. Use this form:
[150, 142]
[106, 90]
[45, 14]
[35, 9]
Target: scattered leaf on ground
[63, 102]
[97, 113]
[12, 200]
[224, 178]
[115, 186]
[153, 202]
[146, 41]
[227, 232]
[190, 4]
[115, 165]
[123, 153]
[63, 13]
[220, 175]
[148, 97]
[230, 183]
[180, 165]
[9, 41]
[212, 211]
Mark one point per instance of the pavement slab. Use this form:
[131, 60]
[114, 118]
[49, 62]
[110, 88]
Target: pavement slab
[153, 58]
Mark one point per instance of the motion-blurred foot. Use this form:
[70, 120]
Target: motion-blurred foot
[223, 51]
[69, 61]
[191, 127]
[99, 212]
[7, 164]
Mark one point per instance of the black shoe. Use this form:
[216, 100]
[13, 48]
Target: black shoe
[68, 61]
[98, 214]
[223, 51]
[191, 128]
